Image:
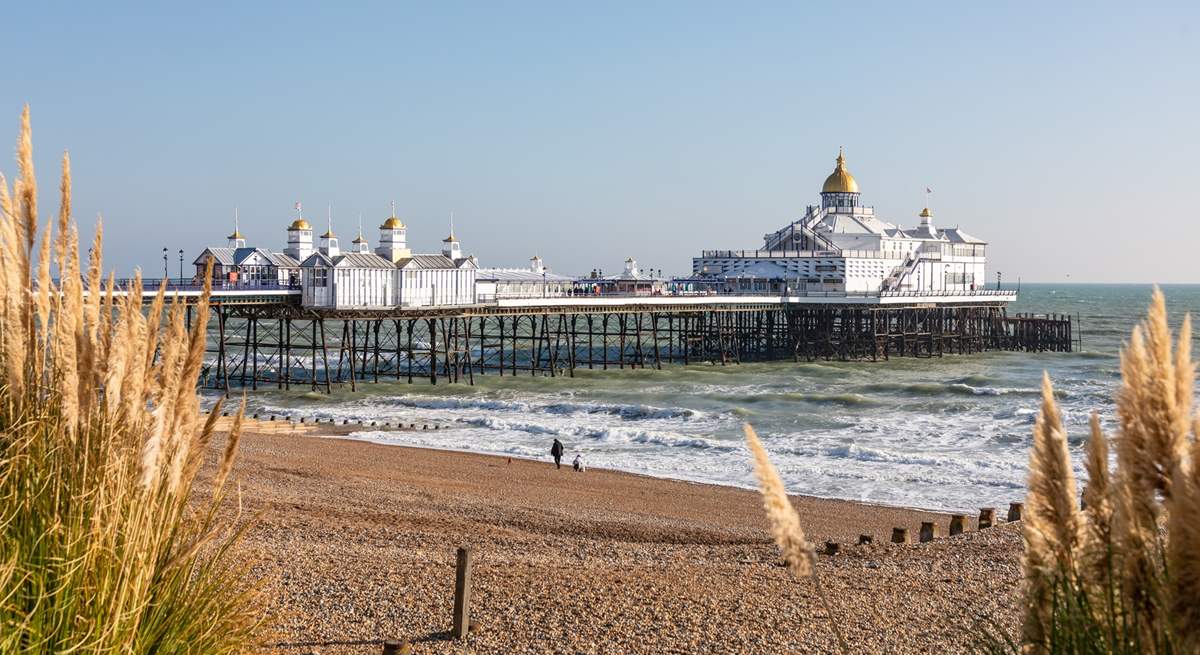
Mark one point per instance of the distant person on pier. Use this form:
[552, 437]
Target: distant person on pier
[556, 451]
[578, 464]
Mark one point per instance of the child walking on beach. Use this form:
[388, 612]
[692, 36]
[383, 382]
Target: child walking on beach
[578, 465]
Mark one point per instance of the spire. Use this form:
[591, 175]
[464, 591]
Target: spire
[359, 240]
[237, 233]
[451, 238]
[329, 224]
[841, 160]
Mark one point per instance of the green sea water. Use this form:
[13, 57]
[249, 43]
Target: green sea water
[950, 433]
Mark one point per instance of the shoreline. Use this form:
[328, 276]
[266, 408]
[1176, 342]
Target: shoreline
[345, 432]
[356, 544]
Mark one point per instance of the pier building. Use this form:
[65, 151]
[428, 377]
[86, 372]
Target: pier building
[537, 281]
[838, 283]
[391, 276]
[842, 246]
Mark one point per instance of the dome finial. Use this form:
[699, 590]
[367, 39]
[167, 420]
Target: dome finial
[392, 223]
[840, 180]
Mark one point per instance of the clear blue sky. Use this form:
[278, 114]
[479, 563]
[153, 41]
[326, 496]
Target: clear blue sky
[1065, 134]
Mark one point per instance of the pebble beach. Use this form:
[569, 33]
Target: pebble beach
[354, 543]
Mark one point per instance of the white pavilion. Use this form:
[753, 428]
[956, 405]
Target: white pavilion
[358, 278]
[841, 246]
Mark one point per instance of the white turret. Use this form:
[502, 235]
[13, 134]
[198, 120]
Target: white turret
[392, 244]
[536, 265]
[236, 240]
[631, 269]
[329, 242]
[299, 237]
[360, 244]
[450, 245]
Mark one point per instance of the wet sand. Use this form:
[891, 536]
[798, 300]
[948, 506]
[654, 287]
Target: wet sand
[357, 542]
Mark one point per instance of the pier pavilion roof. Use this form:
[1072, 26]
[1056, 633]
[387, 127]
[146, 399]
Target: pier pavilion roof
[955, 235]
[519, 275]
[317, 259]
[361, 260]
[427, 262]
[283, 260]
[220, 255]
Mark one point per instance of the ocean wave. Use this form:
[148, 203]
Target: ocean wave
[608, 435]
[868, 454]
[939, 389]
[843, 399]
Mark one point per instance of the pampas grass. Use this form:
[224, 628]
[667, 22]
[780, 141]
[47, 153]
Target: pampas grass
[1122, 576]
[797, 552]
[100, 446]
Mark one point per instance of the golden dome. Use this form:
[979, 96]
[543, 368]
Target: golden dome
[328, 234]
[926, 213]
[299, 224]
[392, 223]
[450, 239]
[236, 235]
[359, 239]
[840, 180]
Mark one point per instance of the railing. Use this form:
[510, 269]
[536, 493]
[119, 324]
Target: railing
[178, 284]
[794, 293]
[779, 254]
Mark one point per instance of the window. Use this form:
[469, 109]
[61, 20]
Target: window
[318, 278]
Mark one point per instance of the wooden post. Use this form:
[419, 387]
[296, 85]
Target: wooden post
[1014, 511]
[864, 539]
[957, 523]
[987, 517]
[462, 594]
[900, 535]
[929, 530]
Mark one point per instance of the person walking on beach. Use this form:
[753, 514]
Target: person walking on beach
[556, 451]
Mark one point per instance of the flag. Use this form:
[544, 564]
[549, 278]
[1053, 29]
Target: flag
[927, 190]
[297, 205]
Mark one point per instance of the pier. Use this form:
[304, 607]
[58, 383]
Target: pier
[272, 341]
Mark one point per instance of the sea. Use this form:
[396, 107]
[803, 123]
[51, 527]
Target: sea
[949, 433]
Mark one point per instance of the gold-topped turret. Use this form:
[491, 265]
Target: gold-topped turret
[236, 235]
[392, 223]
[840, 180]
[926, 213]
[299, 224]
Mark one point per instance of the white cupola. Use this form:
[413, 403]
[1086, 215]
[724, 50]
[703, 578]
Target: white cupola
[392, 243]
[450, 245]
[299, 237]
[236, 240]
[631, 267]
[329, 242]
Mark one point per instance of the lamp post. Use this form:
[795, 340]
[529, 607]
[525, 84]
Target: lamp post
[165, 274]
[181, 265]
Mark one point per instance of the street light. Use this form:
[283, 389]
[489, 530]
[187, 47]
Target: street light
[165, 274]
[181, 265]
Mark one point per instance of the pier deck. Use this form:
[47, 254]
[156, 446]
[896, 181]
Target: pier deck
[281, 344]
